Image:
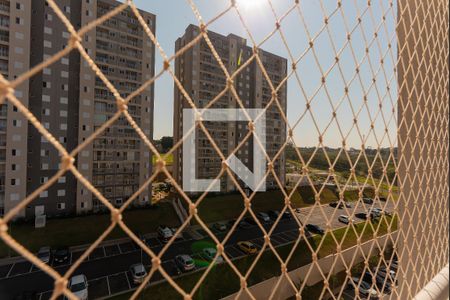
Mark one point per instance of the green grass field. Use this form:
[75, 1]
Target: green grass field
[86, 229]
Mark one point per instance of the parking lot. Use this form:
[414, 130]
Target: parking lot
[107, 267]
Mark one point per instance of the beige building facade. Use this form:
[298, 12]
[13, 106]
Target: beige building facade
[204, 80]
[72, 102]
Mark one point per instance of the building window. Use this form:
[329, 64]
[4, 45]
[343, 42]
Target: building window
[48, 30]
[47, 44]
[61, 193]
[62, 179]
[44, 179]
[61, 206]
[43, 194]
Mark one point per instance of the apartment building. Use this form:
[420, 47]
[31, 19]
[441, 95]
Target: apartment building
[202, 77]
[71, 102]
[14, 60]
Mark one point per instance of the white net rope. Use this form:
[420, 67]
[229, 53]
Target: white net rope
[417, 234]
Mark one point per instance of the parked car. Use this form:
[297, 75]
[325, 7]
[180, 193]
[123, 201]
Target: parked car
[345, 219]
[185, 262]
[381, 283]
[394, 266]
[247, 247]
[374, 214]
[362, 216]
[378, 210]
[314, 229]
[179, 235]
[263, 217]
[348, 204]
[367, 200]
[210, 253]
[78, 285]
[364, 288]
[172, 269]
[164, 233]
[383, 273]
[138, 273]
[44, 254]
[383, 199]
[337, 204]
[244, 224]
[61, 254]
[250, 220]
[273, 214]
[286, 215]
[220, 226]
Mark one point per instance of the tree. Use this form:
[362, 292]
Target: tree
[166, 143]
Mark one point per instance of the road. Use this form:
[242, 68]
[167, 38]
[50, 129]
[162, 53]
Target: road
[107, 267]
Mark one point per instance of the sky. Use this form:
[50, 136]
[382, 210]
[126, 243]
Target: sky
[298, 26]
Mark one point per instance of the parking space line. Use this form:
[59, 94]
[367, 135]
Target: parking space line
[9, 272]
[31, 268]
[109, 288]
[128, 280]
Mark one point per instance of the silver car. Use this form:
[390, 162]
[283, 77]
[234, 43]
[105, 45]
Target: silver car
[263, 217]
[185, 262]
[345, 219]
[138, 272]
[78, 285]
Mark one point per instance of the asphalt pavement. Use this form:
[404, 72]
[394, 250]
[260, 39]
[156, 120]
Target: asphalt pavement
[107, 267]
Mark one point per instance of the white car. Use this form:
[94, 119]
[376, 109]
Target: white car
[263, 217]
[138, 273]
[78, 285]
[210, 253]
[185, 262]
[44, 254]
[364, 288]
[164, 233]
[345, 219]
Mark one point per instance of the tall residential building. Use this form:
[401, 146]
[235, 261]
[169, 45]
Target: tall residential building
[202, 77]
[15, 19]
[72, 102]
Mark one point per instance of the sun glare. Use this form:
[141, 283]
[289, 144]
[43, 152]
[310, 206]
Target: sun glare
[249, 4]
